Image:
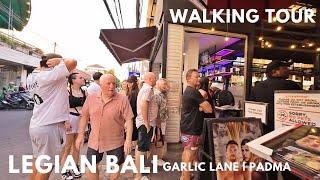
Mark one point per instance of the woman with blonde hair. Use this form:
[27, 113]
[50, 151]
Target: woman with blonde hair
[124, 88]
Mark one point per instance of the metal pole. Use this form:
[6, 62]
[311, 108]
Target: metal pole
[9, 18]
[54, 47]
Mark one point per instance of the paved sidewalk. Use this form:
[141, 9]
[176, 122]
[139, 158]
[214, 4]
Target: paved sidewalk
[15, 140]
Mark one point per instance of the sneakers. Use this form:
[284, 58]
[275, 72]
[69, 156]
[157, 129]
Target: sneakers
[67, 175]
[70, 174]
[160, 162]
[143, 178]
[76, 174]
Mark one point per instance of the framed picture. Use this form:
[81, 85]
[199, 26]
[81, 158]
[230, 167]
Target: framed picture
[297, 145]
[228, 138]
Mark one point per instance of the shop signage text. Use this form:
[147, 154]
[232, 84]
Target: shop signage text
[296, 108]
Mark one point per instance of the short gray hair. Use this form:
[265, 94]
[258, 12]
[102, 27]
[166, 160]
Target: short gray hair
[161, 80]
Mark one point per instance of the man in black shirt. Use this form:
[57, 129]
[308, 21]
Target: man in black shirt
[192, 119]
[277, 73]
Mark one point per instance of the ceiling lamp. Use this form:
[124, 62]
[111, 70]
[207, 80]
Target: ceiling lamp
[318, 49]
[310, 44]
[279, 28]
[212, 29]
[269, 45]
[260, 38]
[293, 46]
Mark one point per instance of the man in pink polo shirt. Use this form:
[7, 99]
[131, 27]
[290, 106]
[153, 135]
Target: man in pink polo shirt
[108, 112]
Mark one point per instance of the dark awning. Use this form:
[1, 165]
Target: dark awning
[129, 45]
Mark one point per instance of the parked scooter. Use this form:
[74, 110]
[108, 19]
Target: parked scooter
[25, 95]
[18, 100]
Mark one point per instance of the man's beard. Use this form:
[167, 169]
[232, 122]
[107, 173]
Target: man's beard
[233, 158]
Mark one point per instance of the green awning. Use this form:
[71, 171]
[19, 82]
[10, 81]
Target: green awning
[21, 10]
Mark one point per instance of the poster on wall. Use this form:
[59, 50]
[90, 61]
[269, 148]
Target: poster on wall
[296, 107]
[257, 110]
[229, 138]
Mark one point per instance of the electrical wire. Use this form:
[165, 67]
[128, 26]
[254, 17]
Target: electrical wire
[110, 14]
[118, 17]
[120, 13]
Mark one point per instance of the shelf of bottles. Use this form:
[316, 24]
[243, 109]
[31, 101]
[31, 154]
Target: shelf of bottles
[217, 66]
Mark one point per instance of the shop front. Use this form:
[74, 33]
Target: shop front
[15, 66]
[234, 56]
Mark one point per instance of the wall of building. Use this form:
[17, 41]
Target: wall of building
[174, 75]
[191, 57]
[156, 69]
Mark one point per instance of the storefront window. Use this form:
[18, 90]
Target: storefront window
[9, 73]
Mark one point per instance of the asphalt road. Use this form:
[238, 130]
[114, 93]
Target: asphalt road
[14, 140]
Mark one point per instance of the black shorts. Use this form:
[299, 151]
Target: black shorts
[144, 138]
[118, 152]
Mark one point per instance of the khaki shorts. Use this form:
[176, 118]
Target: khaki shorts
[47, 140]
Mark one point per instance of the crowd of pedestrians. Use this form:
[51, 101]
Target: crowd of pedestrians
[133, 118]
[127, 121]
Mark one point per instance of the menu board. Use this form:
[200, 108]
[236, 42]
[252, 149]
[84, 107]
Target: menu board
[257, 110]
[297, 107]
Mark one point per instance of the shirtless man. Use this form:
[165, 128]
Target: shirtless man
[232, 155]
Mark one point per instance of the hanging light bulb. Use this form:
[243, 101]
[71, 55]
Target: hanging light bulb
[293, 46]
[274, 19]
[269, 45]
[310, 44]
[279, 28]
[318, 49]
[226, 38]
[260, 38]
[262, 43]
[212, 29]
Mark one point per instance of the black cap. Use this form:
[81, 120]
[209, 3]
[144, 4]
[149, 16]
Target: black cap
[97, 75]
[276, 64]
[132, 79]
[46, 57]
